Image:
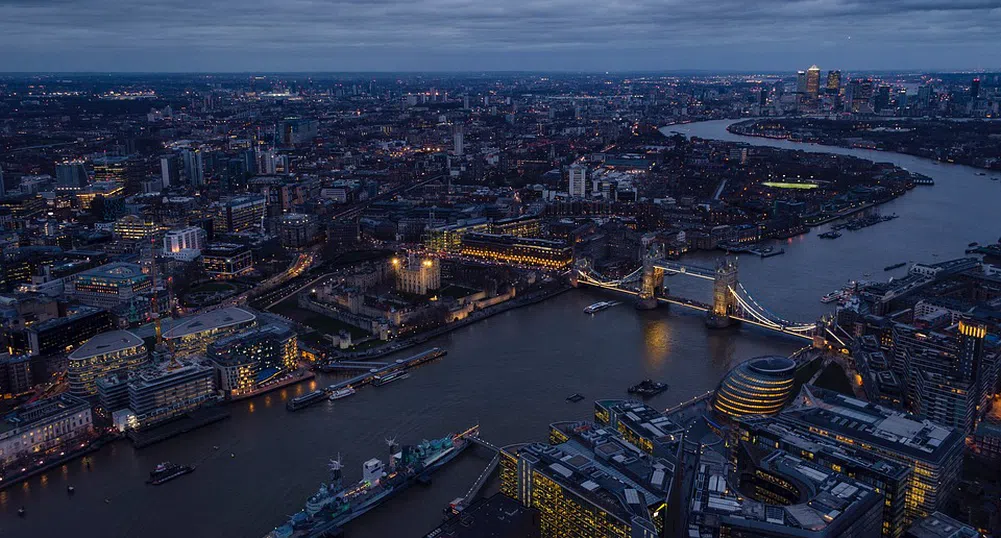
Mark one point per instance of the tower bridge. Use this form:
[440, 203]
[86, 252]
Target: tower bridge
[731, 300]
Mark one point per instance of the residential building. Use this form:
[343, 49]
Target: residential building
[167, 391]
[248, 359]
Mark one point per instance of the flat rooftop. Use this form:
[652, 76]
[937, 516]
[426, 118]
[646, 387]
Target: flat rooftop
[104, 343]
[877, 425]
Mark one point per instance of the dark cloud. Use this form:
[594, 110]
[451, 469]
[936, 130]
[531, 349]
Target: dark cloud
[200, 35]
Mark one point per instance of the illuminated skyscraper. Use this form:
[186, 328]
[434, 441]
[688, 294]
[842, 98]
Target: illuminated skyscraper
[801, 82]
[813, 81]
[975, 88]
[833, 82]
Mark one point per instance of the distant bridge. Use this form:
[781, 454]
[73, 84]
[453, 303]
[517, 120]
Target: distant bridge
[731, 300]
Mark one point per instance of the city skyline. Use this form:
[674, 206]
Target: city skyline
[437, 35]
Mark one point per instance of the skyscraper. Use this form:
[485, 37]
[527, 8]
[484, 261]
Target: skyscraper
[801, 82]
[975, 88]
[813, 81]
[577, 181]
[833, 82]
[194, 169]
[170, 171]
[457, 138]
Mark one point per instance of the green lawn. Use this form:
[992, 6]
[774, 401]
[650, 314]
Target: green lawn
[834, 378]
[324, 324]
[455, 291]
[213, 286]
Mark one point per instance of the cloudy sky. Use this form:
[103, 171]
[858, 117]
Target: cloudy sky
[461, 35]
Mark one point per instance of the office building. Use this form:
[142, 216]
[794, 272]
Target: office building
[760, 386]
[194, 168]
[975, 88]
[184, 243]
[449, 238]
[61, 335]
[577, 181]
[417, 275]
[193, 335]
[44, 428]
[297, 230]
[111, 169]
[939, 525]
[641, 425]
[15, 374]
[833, 82]
[246, 360]
[134, 228]
[801, 83]
[780, 496]
[933, 452]
[590, 482]
[71, 176]
[239, 214]
[227, 260]
[813, 82]
[114, 352]
[165, 392]
[889, 478]
[170, 171]
[109, 285]
[517, 250]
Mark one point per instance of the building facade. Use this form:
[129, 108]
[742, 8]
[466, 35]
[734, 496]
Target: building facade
[44, 428]
[109, 285]
[114, 352]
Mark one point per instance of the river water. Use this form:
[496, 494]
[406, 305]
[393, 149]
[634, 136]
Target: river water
[510, 373]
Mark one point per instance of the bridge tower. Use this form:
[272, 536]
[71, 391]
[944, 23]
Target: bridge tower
[724, 303]
[653, 279]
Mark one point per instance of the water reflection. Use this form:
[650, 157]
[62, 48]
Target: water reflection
[656, 342]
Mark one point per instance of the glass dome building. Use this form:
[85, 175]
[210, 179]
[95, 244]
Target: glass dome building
[760, 386]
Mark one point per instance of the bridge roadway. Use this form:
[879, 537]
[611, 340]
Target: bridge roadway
[695, 305]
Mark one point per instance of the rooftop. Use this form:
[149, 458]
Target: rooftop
[42, 409]
[598, 465]
[104, 343]
[876, 425]
[116, 270]
[939, 525]
[828, 499]
[216, 319]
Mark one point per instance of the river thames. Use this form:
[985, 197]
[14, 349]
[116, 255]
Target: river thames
[510, 374]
